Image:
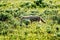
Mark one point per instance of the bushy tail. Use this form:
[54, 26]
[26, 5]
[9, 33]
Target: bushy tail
[42, 20]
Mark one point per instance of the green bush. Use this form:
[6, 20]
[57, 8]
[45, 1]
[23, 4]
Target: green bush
[58, 34]
[3, 17]
[2, 4]
[25, 21]
[28, 5]
[3, 28]
[34, 12]
[58, 18]
[7, 21]
[51, 12]
[40, 3]
[8, 11]
[19, 14]
[48, 30]
[14, 22]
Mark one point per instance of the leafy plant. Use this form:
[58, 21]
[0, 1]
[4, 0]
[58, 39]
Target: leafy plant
[3, 17]
[40, 3]
[3, 28]
[26, 21]
[58, 34]
[51, 12]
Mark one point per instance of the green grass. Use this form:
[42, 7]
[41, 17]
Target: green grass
[34, 31]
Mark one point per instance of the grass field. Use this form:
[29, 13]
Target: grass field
[11, 12]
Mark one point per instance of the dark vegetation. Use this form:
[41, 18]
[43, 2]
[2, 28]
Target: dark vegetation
[40, 3]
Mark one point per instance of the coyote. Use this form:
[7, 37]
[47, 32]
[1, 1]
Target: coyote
[32, 18]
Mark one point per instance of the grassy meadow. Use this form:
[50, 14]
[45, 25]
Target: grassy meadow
[11, 12]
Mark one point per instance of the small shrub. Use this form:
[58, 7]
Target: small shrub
[28, 5]
[58, 34]
[3, 17]
[51, 12]
[54, 17]
[19, 14]
[8, 11]
[58, 18]
[14, 22]
[34, 12]
[40, 3]
[48, 30]
[2, 4]
[3, 28]
[26, 21]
